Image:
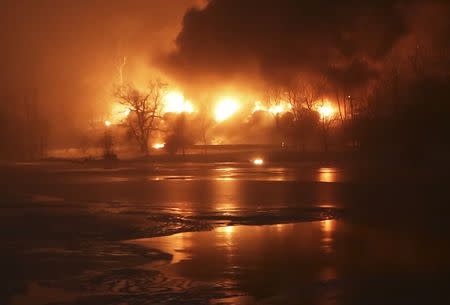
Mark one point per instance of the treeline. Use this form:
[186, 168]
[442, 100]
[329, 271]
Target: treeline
[23, 128]
[401, 114]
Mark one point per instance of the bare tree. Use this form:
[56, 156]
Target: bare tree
[272, 99]
[327, 118]
[302, 97]
[206, 122]
[145, 110]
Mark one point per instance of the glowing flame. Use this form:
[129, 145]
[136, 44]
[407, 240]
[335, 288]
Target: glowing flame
[326, 111]
[175, 102]
[281, 107]
[259, 107]
[119, 113]
[258, 161]
[225, 109]
[158, 145]
[107, 123]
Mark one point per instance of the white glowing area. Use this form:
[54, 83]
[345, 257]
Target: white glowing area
[280, 108]
[276, 109]
[258, 161]
[326, 111]
[259, 107]
[159, 145]
[107, 123]
[225, 109]
[174, 102]
[119, 113]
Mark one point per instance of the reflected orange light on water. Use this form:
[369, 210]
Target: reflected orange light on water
[327, 227]
[326, 174]
[258, 161]
[228, 230]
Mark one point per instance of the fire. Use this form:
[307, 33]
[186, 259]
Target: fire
[159, 145]
[175, 102]
[326, 111]
[107, 123]
[259, 107]
[226, 108]
[281, 107]
[258, 161]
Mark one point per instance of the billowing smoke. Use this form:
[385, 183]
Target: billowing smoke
[346, 41]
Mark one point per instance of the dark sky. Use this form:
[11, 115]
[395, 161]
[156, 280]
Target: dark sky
[68, 50]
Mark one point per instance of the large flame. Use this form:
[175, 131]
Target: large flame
[226, 108]
[175, 102]
[159, 145]
[278, 108]
[281, 107]
[326, 110]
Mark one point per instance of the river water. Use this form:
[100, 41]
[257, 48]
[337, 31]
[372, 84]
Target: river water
[222, 233]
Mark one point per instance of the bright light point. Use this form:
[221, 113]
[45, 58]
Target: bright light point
[107, 123]
[225, 109]
[259, 107]
[326, 111]
[175, 102]
[258, 161]
[158, 145]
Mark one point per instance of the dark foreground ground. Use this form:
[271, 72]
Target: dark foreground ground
[223, 233]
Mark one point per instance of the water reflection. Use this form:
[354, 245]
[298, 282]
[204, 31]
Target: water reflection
[228, 230]
[304, 262]
[327, 228]
[258, 259]
[327, 174]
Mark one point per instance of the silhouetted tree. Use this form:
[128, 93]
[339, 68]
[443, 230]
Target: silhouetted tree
[302, 97]
[205, 124]
[145, 110]
[273, 98]
[179, 133]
